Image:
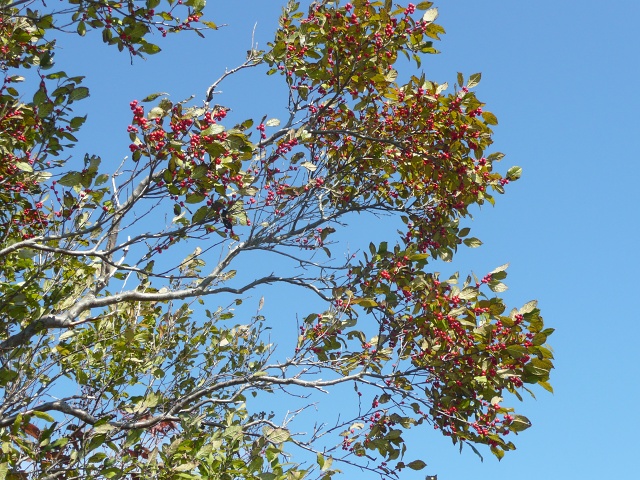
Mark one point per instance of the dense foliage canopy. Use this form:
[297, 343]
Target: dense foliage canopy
[125, 348]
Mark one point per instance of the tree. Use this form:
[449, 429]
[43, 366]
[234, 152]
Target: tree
[120, 353]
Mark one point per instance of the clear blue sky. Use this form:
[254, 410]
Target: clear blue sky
[561, 77]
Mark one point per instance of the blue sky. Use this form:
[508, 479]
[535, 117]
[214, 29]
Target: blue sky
[561, 77]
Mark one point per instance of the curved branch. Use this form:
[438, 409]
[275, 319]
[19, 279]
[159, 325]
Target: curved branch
[173, 413]
[252, 60]
[66, 320]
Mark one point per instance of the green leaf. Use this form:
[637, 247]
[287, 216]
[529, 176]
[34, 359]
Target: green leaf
[472, 242]
[272, 122]
[78, 93]
[24, 166]
[71, 179]
[501, 268]
[498, 287]
[209, 24]
[43, 416]
[213, 130]
[458, 311]
[365, 302]
[276, 435]
[416, 465]
[467, 293]
[475, 450]
[199, 171]
[516, 351]
[391, 75]
[149, 48]
[7, 375]
[326, 464]
[514, 173]
[528, 307]
[490, 118]
[104, 428]
[197, 5]
[309, 166]
[39, 97]
[519, 423]
[155, 112]
[249, 191]
[56, 75]
[185, 468]
[45, 109]
[102, 178]
[195, 198]
[77, 122]
[153, 96]
[46, 60]
[247, 124]
[498, 452]
[430, 15]
[132, 437]
[201, 214]
[68, 334]
[474, 80]
[547, 386]
[97, 457]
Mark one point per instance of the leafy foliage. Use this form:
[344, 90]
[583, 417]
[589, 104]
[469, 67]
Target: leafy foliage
[119, 362]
